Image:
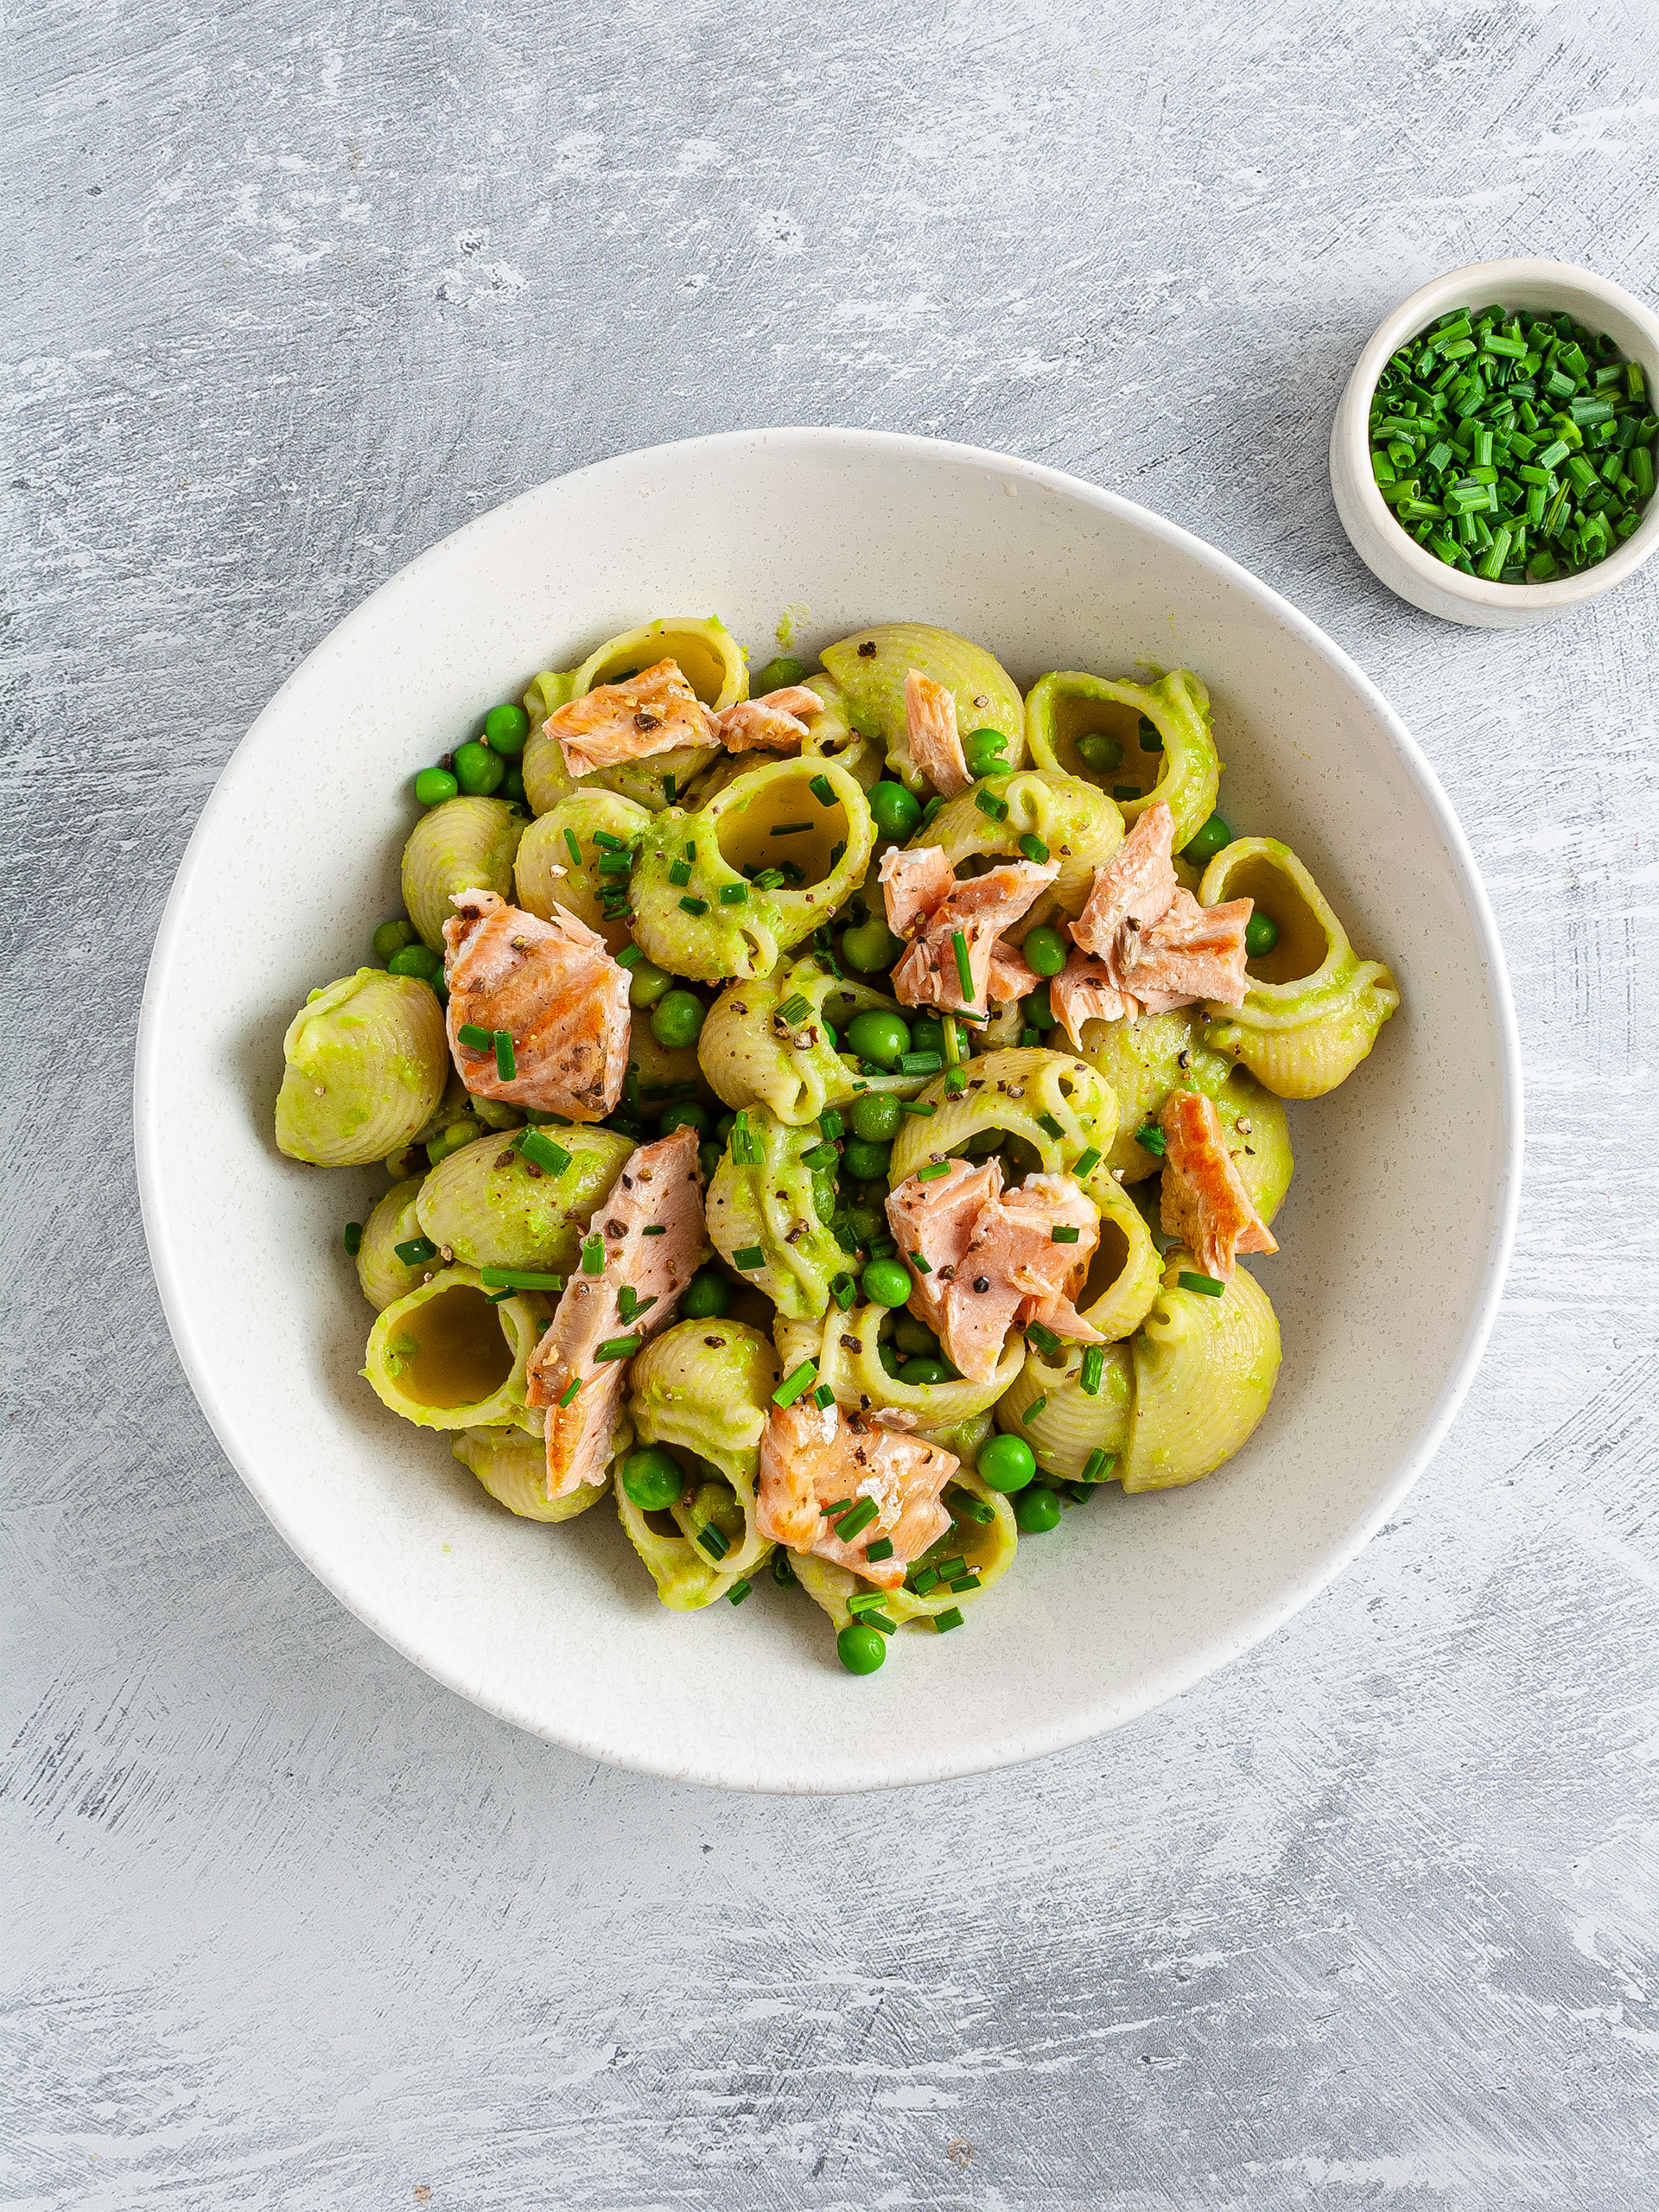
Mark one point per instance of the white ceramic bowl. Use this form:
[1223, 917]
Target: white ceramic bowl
[1395, 1235]
[1396, 558]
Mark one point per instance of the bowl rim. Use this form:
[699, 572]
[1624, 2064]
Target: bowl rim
[1158, 1686]
[1353, 422]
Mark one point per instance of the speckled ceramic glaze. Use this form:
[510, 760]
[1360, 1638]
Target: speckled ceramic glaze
[1393, 1239]
[1393, 557]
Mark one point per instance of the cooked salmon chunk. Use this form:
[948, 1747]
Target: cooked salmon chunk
[936, 907]
[553, 986]
[659, 1188]
[777, 723]
[812, 1456]
[1204, 1201]
[930, 730]
[1144, 945]
[652, 712]
[993, 1260]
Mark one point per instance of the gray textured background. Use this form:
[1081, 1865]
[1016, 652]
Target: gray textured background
[1367, 1920]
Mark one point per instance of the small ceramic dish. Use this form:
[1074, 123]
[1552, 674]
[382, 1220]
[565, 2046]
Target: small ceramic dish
[1394, 1237]
[1393, 557]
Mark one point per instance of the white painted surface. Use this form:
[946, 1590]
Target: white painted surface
[1366, 1920]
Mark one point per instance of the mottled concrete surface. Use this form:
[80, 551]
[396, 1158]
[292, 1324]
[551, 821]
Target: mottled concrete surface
[1367, 1920]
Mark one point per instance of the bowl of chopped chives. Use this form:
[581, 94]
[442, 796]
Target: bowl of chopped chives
[1493, 456]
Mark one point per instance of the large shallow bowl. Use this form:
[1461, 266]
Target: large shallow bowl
[1394, 1238]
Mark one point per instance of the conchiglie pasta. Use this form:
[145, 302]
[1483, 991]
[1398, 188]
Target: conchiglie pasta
[512, 1464]
[366, 1062]
[445, 1357]
[711, 661]
[1205, 1369]
[1314, 1007]
[1123, 1274]
[1145, 1060]
[705, 1386]
[492, 1208]
[851, 1363]
[767, 820]
[549, 874]
[1181, 769]
[465, 844]
[1080, 830]
[767, 1205]
[1057, 1105]
[986, 1545]
[873, 684]
[1070, 1425]
[382, 1276]
[751, 1056]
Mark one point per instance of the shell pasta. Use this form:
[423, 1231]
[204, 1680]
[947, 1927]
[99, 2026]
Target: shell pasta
[826, 1110]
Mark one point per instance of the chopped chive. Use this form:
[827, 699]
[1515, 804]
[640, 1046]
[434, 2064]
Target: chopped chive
[831, 1124]
[930, 810]
[789, 828]
[922, 1106]
[1094, 1368]
[964, 973]
[417, 1252]
[573, 847]
[950, 1618]
[844, 1290]
[655, 1229]
[794, 1383]
[570, 1396]
[1062, 1234]
[630, 1305]
[1033, 848]
[782, 1572]
[880, 1549]
[881, 1620]
[691, 848]
[1088, 1163]
[1049, 1126]
[840, 1506]
[823, 790]
[513, 1279]
[1151, 1138]
[679, 874]
[932, 1171]
[474, 1038]
[610, 844]
[989, 803]
[618, 1347]
[1034, 1409]
[712, 1541]
[669, 788]
[924, 1580]
[975, 1509]
[820, 1155]
[1207, 1284]
[739, 1592]
[866, 1601]
[919, 1064]
[630, 956]
[352, 1237]
[691, 905]
[500, 1297]
[956, 1081]
[749, 1259]
[794, 1009]
[823, 1397]
[1045, 1339]
[531, 1145]
[921, 1266]
[854, 1523]
[507, 1066]
[966, 1582]
[592, 1255]
[734, 894]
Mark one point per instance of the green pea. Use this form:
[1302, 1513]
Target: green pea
[865, 1161]
[885, 1283]
[921, 1369]
[890, 1360]
[866, 1222]
[914, 1338]
[895, 810]
[824, 1200]
[984, 750]
[513, 783]
[434, 786]
[419, 960]
[1037, 1511]
[877, 1118]
[478, 770]
[653, 1478]
[1006, 1463]
[710, 1155]
[861, 1647]
[871, 948]
[647, 982]
[1151, 737]
[678, 1020]
[507, 726]
[458, 1134]
[1035, 1010]
[689, 1116]
[1260, 934]
[1044, 950]
[706, 1297]
[392, 937]
[927, 1035]
[829, 1034]
[878, 1037]
[783, 669]
[1097, 751]
[1213, 838]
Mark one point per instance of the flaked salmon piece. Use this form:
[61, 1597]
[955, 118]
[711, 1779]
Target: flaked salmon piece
[936, 1219]
[913, 883]
[930, 729]
[812, 1456]
[660, 1187]
[982, 907]
[1189, 952]
[1008, 977]
[1132, 889]
[1204, 1200]
[554, 987]
[652, 712]
[776, 723]
[1083, 991]
[993, 1261]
